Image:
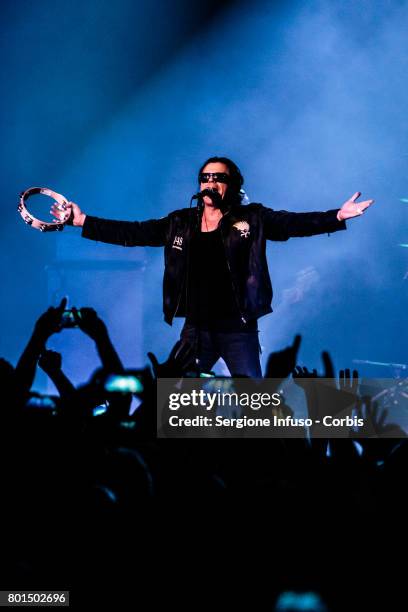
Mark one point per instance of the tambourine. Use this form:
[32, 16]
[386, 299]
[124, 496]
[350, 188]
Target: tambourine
[44, 226]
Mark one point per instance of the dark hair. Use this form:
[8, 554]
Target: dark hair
[233, 194]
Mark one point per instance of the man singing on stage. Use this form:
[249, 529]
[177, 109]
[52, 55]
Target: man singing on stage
[216, 273]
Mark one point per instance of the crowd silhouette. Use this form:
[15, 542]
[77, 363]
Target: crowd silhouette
[85, 478]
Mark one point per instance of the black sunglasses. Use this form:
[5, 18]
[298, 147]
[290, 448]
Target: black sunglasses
[217, 177]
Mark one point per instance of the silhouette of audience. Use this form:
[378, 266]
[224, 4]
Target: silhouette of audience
[85, 476]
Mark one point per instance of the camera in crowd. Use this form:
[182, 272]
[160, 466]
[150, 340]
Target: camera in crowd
[69, 320]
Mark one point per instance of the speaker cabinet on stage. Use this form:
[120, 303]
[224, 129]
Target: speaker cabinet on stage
[109, 279]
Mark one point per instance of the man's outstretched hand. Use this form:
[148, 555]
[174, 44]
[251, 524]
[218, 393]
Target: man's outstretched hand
[352, 208]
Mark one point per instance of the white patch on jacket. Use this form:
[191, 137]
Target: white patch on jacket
[243, 227]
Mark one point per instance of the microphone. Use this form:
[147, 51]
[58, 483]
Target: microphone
[211, 193]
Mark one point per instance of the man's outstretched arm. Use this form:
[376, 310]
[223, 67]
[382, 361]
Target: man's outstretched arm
[281, 225]
[125, 233]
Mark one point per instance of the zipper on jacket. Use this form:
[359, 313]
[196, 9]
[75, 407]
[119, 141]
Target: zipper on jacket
[185, 281]
[179, 299]
[232, 281]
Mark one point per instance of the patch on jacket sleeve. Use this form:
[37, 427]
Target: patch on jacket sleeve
[243, 227]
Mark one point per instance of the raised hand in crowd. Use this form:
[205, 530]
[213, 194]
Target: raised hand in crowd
[47, 324]
[280, 364]
[180, 361]
[375, 423]
[326, 396]
[374, 427]
[88, 321]
[51, 363]
[302, 376]
[349, 382]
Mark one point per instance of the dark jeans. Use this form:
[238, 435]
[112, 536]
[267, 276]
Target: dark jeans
[239, 350]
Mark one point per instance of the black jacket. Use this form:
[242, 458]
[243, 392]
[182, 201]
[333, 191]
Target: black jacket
[244, 230]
